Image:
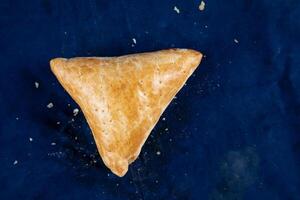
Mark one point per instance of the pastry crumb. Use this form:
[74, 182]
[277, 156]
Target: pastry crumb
[236, 41]
[166, 129]
[50, 105]
[30, 139]
[202, 6]
[164, 119]
[17, 118]
[36, 84]
[15, 162]
[69, 105]
[158, 153]
[176, 10]
[57, 123]
[75, 111]
[53, 143]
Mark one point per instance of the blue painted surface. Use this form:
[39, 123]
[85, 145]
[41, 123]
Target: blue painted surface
[232, 133]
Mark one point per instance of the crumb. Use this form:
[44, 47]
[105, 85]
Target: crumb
[156, 181]
[158, 153]
[218, 85]
[36, 84]
[72, 119]
[202, 6]
[164, 119]
[170, 140]
[75, 138]
[53, 143]
[166, 129]
[65, 32]
[206, 26]
[17, 118]
[176, 10]
[69, 105]
[15, 162]
[117, 184]
[75, 111]
[57, 123]
[236, 41]
[30, 139]
[134, 40]
[50, 105]
[175, 97]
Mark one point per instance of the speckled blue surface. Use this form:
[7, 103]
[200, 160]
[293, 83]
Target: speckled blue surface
[232, 133]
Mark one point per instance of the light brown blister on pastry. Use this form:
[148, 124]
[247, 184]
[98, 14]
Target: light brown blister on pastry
[123, 97]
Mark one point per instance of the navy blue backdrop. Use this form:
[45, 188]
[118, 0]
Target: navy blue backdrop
[232, 133]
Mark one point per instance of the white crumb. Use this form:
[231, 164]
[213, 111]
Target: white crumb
[15, 162]
[50, 105]
[17, 118]
[69, 105]
[134, 40]
[30, 139]
[236, 41]
[202, 6]
[53, 143]
[206, 26]
[36, 84]
[158, 153]
[166, 129]
[156, 181]
[75, 111]
[176, 10]
[57, 123]
[164, 119]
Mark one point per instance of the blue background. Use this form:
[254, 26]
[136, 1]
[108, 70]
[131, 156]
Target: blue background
[232, 133]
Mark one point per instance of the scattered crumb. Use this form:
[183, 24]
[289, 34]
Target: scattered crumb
[164, 119]
[69, 105]
[36, 84]
[53, 143]
[166, 129]
[176, 10]
[57, 123]
[50, 105]
[75, 138]
[134, 40]
[117, 184]
[236, 41]
[72, 119]
[204, 56]
[65, 32]
[17, 118]
[202, 6]
[15, 162]
[170, 140]
[206, 26]
[75, 111]
[95, 161]
[218, 85]
[156, 181]
[30, 139]
[158, 153]
[175, 97]
[108, 174]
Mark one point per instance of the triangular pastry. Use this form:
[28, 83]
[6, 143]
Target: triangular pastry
[123, 97]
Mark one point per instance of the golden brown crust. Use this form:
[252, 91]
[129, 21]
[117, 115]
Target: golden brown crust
[123, 97]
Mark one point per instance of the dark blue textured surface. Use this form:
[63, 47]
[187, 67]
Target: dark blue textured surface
[232, 133]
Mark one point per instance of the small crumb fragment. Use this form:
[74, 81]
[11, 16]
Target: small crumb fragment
[236, 41]
[170, 140]
[30, 139]
[36, 84]
[176, 10]
[202, 6]
[134, 40]
[75, 111]
[158, 153]
[50, 105]
[206, 26]
[156, 181]
[166, 129]
[53, 143]
[17, 118]
[15, 162]
[164, 119]
[75, 138]
[69, 105]
[65, 32]
[57, 123]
